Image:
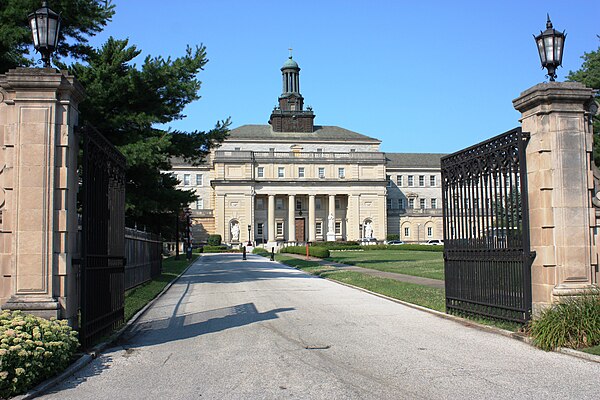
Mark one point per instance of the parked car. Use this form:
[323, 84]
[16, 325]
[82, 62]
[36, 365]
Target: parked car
[434, 242]
[395, 242]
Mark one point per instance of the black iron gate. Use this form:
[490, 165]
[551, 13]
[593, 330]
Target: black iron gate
[103, 237]
[486, 229]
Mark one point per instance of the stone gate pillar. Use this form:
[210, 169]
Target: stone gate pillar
[38, 186]
[560, 185]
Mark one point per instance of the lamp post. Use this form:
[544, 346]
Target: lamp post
[360, 231]
[45, 27]
[249, 237]
[550, 44]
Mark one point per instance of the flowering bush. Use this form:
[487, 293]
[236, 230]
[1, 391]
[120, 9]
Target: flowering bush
[31, 350]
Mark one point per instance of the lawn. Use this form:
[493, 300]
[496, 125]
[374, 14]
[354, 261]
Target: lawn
[138, 297]
[417, 263]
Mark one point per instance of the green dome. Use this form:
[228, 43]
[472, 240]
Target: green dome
[289, 63]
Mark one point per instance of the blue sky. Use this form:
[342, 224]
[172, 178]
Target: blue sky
[422, 76]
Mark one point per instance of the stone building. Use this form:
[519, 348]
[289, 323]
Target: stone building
[294, 181]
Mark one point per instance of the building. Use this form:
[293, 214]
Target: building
[294, 181]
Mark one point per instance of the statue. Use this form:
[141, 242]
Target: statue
[330, 224]
[235, 232]
[368, 230]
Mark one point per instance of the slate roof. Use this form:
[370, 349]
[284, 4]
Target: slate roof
[413, 160]
[325, 133]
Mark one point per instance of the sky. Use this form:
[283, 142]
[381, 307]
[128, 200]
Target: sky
[421, 76]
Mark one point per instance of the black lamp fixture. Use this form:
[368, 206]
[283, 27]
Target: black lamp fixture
[249, 231]
[45, 26]
[550, 44]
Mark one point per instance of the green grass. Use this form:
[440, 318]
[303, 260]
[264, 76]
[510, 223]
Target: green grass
[592, 350]
[138, 297]
[416, 263]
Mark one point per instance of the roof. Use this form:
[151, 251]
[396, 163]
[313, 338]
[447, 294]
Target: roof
[320, 133]
[413, 160]
[289, 63]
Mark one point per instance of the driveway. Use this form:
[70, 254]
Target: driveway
[255, 329]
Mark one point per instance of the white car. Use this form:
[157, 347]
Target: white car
[434, 242]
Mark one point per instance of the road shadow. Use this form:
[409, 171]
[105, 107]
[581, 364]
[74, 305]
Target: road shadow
[94, 368]
[190, 325]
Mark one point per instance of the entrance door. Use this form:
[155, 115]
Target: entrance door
[300, 233]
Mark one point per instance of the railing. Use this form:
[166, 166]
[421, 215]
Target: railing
[143, 252]
[294, 156]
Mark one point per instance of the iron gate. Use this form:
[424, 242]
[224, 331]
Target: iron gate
[486, 229]
[103, 237]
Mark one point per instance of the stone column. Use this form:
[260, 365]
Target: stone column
[38, 178]
[271, 219]
[312, 237]
[331, 219]
[291, 218]
[560, 184]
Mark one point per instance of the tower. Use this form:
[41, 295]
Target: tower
[290, 115]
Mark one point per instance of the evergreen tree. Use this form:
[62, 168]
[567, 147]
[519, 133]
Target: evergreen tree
[126, 103]
[80, 19]
[589, 75]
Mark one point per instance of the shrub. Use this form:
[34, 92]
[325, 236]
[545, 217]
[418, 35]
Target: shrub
[393, 237]
[574, 322]
[314, 251]
[32, 349]
[260, 251]
[215, 248]
[339, 245]
[214, 240]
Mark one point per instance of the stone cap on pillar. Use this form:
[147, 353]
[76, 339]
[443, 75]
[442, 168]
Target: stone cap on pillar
[554, 93]
[42, 79]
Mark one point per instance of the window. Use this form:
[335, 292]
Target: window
[410, 180]
[279, 229]
[199, 204]
[260, 172]
[406, 232]
[432, 180]
[281, 172]
[321, 172]
[298, 204]
[186, 180]
[399, 180]
[389, 203]
[319, 153]
[401, 203]
[421, 180]
[411, 203]
[352, 150]
[433, 203]
[341, 173]
[318, 203]
[279, 203]
[199, 179]
[319, 228]
[338, 228]
[300, 172]
[388, 178]
[272, 150]
[422, 204]
[259, 228]
[237, 149]
[260, 203]
[429, 231]
[338, 204]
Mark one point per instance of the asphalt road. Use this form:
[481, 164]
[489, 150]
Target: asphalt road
[233, 329]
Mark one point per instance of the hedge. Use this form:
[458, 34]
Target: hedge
[32, 349]
[220, 249]
[214, 240]
[414, 247]
[314, 251]
[339, 245]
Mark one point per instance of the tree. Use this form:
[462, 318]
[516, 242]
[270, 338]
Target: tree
[589, 75]
[80, 20]
[127, 103]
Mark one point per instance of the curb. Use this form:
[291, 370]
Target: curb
[487, 328]
[99, 348]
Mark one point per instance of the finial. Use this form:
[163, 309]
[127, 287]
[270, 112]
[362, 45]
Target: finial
[548, 23]
[290, 49]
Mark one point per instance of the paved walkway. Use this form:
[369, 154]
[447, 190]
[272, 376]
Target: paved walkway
[434, 283]
[256, 329]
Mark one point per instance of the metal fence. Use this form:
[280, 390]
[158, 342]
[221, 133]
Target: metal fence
[486, 229]
[143, 253]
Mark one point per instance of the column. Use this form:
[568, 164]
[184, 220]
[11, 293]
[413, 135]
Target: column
[311, 218]
[331, 219]
[291, 218]
[39, 185]
[560, 184]
[271, 219]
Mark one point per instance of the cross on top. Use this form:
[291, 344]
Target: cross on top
[290, 49]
